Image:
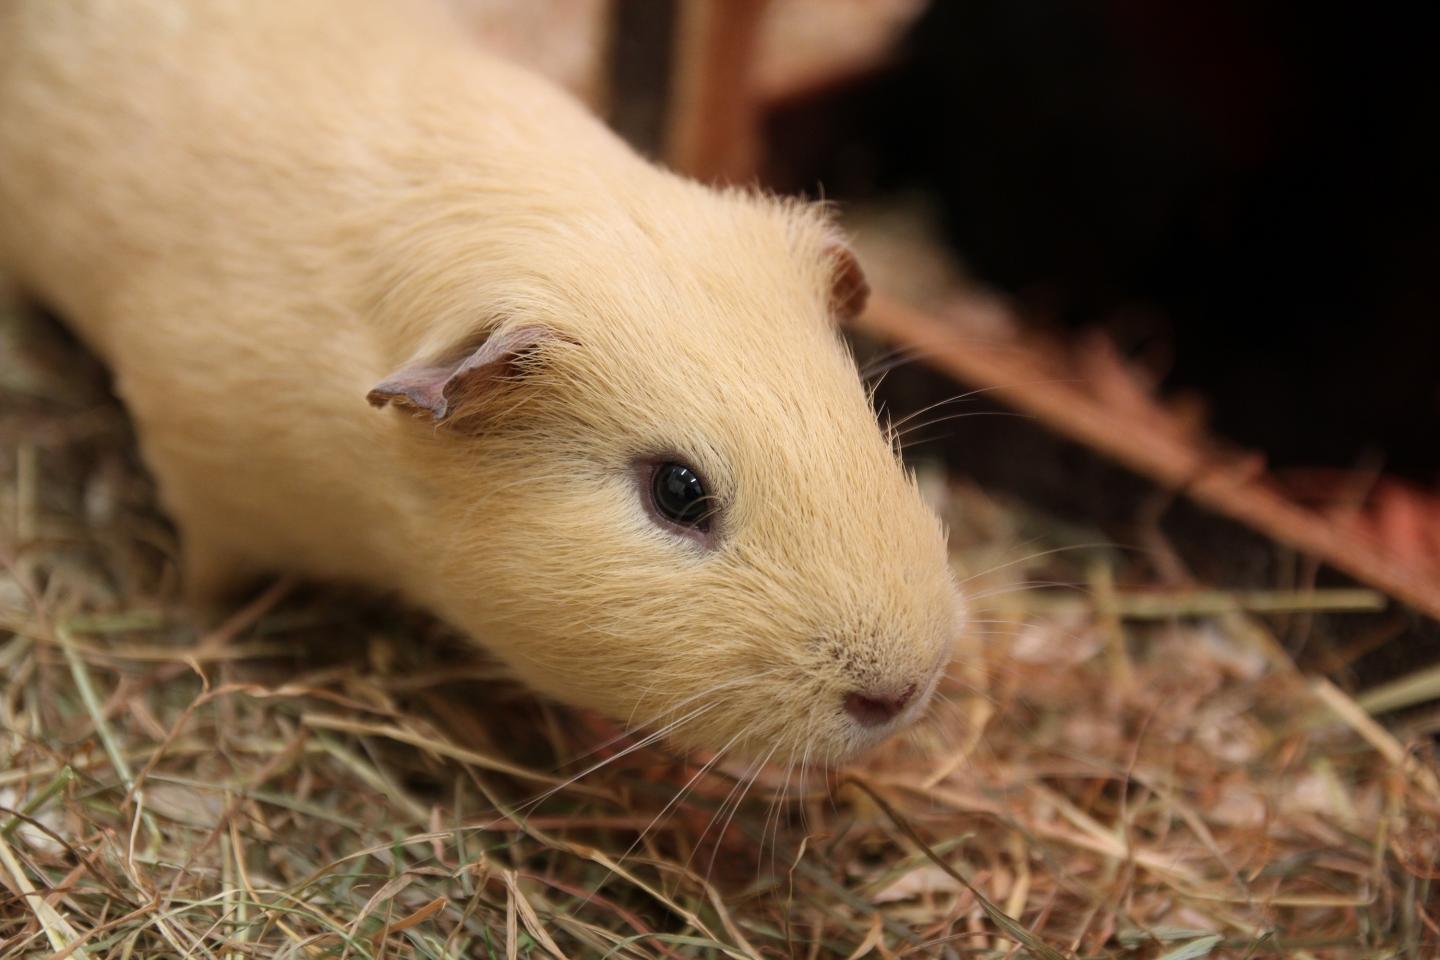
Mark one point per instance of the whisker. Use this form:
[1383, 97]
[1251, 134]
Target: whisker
[1038, 555]
[676, 799]
[776, 802]
[736, 807]
[719, 812]
[959, 397]
[935, 421]
[971, 394]
[891, 359]
[1026, 587]
[804, 783]
[530, 804]
[631, 729]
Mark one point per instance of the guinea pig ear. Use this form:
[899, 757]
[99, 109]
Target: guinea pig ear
[849, 290]
[431, 388]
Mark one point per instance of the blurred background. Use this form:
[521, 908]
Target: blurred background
[1242, 195]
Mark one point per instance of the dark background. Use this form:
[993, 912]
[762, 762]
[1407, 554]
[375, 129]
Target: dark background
[1243, 193]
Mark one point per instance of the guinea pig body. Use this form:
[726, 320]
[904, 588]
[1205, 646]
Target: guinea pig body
[262, 213]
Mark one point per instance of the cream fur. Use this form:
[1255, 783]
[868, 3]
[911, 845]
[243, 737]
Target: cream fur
[255, 210]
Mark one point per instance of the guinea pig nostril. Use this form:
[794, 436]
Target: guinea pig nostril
[872, 709]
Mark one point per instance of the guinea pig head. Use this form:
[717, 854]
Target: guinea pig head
[659, 490]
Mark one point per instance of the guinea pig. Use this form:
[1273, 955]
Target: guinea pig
[389, 310]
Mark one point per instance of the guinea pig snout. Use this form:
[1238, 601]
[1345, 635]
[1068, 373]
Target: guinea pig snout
[875, 707]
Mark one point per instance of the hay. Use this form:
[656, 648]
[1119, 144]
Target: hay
[1111, 772]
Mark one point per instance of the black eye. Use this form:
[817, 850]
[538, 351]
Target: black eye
[680, 496]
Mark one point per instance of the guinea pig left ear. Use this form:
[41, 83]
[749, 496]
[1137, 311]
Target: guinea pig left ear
[433, 388]
[849, 290]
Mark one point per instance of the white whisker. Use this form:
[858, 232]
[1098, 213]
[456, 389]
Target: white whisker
[700, 711]
[750, 782]
[676, 799]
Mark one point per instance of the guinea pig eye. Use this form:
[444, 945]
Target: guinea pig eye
[679, 496]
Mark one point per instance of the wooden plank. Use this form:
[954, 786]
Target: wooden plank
[1037, 381]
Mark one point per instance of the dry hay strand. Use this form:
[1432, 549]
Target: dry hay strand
[1110, 772]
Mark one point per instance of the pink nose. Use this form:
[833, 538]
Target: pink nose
[871, 709]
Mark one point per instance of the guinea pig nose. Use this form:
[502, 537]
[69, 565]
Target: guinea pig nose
[872, 708]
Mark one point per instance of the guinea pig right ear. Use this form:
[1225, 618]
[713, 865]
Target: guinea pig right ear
[849, 290]
[432, 389]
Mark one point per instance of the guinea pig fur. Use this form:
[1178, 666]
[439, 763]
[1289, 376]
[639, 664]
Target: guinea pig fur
[261, 213]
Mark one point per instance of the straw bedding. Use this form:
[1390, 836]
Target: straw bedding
[1111, 772]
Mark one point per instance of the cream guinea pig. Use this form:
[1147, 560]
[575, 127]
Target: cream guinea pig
[612, 432]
